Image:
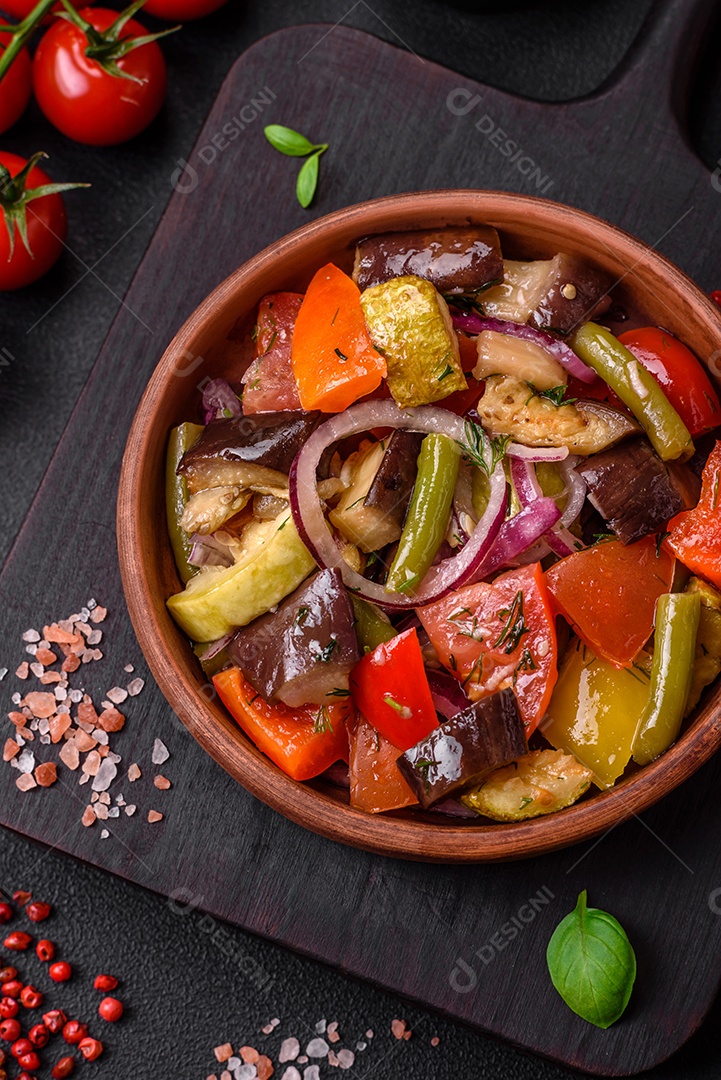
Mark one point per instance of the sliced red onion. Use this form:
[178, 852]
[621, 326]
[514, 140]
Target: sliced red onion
[211, 650]
[447, 693]
[525, 481]
[207, 551]
[559, 350]
[575, 489]
[519, 533]
[307, 511]
[563, 543]
[537, 453]
[559, 540]
[220, 401]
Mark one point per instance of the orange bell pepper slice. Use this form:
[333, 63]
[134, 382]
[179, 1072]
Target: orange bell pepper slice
[376, 782]
[608, 594]
[333, 360]
[299, 741]
[695, 535]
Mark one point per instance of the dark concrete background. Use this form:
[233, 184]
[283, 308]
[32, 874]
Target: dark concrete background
[185, 992]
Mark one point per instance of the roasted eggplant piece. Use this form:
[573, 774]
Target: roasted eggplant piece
[502, 354]
[373, 506]
[410, 325]
[634, 491]
[465, 749]
[510, 407]
[459, 260]
[303, 652]
[553, 294]
[248, 452]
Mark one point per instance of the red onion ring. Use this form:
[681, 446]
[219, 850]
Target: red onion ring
[312, 527]
[519, 533]
[537, 453]
[559, 350]
[447, 693]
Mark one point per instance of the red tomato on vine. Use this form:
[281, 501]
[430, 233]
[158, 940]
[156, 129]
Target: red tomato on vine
[99, 77]
[35, 225]
[16, 87]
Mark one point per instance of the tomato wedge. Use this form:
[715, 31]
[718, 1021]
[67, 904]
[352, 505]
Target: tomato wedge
[376, 782]
[334, 362]
[302, 742]
[390, 689]
[501, 634]
[679, 374]
[269, 382]
[608, 594]
[695, 535]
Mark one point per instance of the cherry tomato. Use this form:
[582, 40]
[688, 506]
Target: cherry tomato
[20, 9]
[182, 9]
[82, 98]
[46, 231]
[16, 88]
[679, 374]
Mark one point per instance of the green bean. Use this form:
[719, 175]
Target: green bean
[674, 653]
[428, 513]
[176, 496]
[371, 626]
[637, 389]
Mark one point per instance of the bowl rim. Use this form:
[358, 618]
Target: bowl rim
[303, 803]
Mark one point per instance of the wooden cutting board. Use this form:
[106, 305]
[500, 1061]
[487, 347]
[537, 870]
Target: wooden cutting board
[469, 941]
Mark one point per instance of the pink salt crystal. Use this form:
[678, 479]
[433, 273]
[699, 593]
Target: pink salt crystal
[84, 741]
[87, 713]
[10, 749]
[25, 781]
[88, 817]
[249, 1054]
[398, 1028]
[23, 671]
[58, 725]
[223, 1052]
[134, 772]
[111, 719]
[346, 1059]
[101, 811]
[105, 775]
[92, 762]
[98, 614]
[435, 1040]
[40, 704]
[264, 1067]
[69, 755]
[154, 816]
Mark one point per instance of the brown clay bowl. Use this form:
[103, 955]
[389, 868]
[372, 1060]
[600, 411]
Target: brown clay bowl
[530, 227]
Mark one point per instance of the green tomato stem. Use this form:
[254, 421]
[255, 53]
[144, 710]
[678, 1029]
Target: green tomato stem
[21, 34]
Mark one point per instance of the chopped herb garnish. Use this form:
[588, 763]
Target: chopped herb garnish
[395, 705]
[338, 691]
[710, 400]
[526, 800]
[716, 491]
[448, 370]
[322, 722]
[526, 663]
[332, 322]
[301, 615]
[477, 444]
[409, 584]
[453, 662]
[556, 394]
[283, 524]
[423, 765]
[324, 655]
[341, 356]
[372, 557]
[601, 538]
[271, 343]
[514, 626]
[660, 537]
[254, 333]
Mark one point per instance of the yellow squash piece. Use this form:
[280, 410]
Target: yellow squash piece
[409, 324]
[595, 709]
[539, 783]
[218, 599]
[708, 640]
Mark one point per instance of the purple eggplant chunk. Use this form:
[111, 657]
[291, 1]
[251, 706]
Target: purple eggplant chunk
[634, 491]
[485, 736]
[573, 292]
[247, 449]
[303, 652]
[453, 259]
[392, 485]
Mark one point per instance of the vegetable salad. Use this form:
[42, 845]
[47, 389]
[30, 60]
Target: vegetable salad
[449, 530]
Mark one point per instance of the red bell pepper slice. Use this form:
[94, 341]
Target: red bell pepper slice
[695, 535]
[500, 634]
[302, 742]
[390, 689]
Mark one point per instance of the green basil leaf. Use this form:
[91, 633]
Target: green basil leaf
[308, 181]
[592, 964]
[287, 141]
